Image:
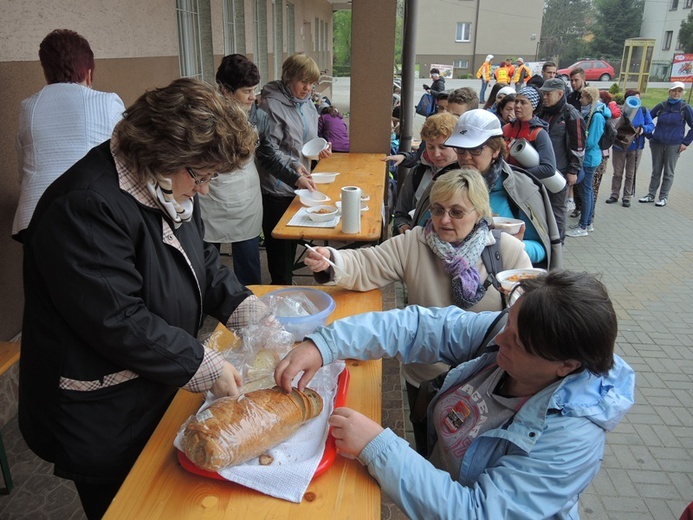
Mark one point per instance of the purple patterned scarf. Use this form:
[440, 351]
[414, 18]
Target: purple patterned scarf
[459, 261]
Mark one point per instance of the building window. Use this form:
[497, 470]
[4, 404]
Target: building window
[261, 57]
[278, 37]
[688, 4]
[463, 31]
[234, 27]
[189, 43]
[460, 64]
[679, 45]
[291, 28]
[674, 5]
[667, 40]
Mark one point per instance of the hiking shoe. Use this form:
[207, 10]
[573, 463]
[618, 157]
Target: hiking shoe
[626, 204]
[647, 198]
[576, 232]
[575, 213]
[661, 202]
[611, 200]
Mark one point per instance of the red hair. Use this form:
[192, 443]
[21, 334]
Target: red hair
[66, 57]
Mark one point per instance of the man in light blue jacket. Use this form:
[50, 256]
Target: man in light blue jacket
[518, 424]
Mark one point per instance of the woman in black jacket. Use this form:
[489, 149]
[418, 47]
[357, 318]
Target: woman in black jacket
[117, 279]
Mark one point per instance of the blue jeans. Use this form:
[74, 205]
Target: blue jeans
[483, 91]
[246, 260]
[587, 196]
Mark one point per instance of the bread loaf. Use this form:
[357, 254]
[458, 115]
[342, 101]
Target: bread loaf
[232, 431]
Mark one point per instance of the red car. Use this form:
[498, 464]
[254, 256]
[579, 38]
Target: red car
[595, 70]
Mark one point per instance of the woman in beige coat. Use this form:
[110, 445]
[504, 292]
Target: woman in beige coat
[441, 263]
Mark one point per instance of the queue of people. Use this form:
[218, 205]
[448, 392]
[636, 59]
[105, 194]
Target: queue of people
[122, 239]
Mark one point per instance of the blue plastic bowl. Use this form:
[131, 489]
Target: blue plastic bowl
[300, 326]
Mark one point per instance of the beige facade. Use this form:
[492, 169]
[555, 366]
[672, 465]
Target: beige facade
[136, 45]
[463, 32]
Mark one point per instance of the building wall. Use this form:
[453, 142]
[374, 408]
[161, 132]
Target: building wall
[437, 23]
[136, 47]
[658, 18]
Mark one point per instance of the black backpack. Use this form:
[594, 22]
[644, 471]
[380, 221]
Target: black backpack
[608, 138]
[493, 262]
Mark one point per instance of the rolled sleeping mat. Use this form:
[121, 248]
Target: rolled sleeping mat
[632, 105]
[524, 153]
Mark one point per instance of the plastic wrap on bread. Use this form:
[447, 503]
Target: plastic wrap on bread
[254, 350]
[230, 431]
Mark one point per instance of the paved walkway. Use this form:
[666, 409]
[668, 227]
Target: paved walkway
[645, 256]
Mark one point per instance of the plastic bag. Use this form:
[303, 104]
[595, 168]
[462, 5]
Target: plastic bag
[256, 352]
[294, 306]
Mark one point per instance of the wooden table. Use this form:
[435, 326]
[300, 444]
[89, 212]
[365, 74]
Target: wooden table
[365, 170]
[158, 488]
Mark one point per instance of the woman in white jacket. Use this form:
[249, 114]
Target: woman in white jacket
[441, 263]
[63, 121]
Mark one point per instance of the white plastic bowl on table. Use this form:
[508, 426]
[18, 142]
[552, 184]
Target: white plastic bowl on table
[313, 148]
[321, 213]
[509, 225]
[324, 177]
[312, 198]
[509, 278]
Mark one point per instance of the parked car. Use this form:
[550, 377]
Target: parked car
[595, 70]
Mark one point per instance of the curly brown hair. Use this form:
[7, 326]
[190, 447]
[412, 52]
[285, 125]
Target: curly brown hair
[438, 125]
[186, 124]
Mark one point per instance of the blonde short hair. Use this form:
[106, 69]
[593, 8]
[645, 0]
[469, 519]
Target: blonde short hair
[300, 67]
[185, 124]
[438, 125]
[592, 93]
[466, 182]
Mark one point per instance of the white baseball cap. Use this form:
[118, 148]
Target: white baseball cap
[474, 128]
[678, 84]
[489, 57]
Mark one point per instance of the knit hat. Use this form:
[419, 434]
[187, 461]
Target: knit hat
[531, 94]
[489, 57]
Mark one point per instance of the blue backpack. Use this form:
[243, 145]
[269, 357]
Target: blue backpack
[427, 105]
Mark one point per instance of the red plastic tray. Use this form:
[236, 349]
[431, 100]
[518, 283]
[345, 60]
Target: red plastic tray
[330, 450]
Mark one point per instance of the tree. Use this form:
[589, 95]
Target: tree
[341, 43]
[615, 21]
[563, 27]
[686, 34]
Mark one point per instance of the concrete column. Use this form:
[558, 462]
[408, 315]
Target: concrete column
[372, 66]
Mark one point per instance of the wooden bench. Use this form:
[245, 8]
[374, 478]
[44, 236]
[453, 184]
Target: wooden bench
[9, 355]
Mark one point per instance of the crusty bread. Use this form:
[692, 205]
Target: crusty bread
[233, 431]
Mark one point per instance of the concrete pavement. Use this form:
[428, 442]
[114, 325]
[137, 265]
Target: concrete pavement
[644, 255]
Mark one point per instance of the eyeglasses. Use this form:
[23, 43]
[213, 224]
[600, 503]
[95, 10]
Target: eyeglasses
[456, 213]
[474, 152]
[201, 180]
